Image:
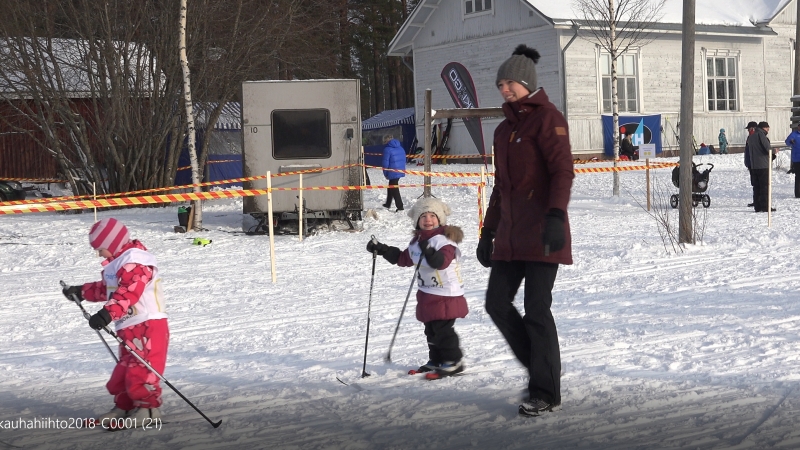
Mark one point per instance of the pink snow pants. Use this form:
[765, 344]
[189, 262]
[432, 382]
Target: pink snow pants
[132, 384]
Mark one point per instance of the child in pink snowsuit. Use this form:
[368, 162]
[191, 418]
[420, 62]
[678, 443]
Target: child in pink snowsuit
[130, 288]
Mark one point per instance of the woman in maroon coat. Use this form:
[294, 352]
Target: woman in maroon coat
[526, 233]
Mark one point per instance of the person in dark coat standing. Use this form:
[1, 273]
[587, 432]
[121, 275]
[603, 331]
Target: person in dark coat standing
[394, 157]
[526, 234]
[760, 159]
[751, 128]
[793, 141]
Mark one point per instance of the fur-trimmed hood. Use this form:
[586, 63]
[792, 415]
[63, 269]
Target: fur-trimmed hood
[452, 232]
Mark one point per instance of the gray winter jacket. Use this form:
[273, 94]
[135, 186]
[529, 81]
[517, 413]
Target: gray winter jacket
[760, 150]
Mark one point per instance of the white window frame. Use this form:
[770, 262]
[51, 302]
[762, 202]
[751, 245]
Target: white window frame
[637, 76]
[472, 4]
[728, 54]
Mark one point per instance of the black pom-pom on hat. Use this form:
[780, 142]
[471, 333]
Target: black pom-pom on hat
[524, 50]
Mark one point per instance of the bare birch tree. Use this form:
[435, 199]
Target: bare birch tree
[187, 104]
[618, 26]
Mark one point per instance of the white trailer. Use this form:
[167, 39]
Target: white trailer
[301, 125]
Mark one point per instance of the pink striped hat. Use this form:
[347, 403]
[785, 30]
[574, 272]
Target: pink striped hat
[109, 234]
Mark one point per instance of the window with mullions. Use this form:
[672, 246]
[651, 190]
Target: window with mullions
[476, 6]
[721, 76]
[627, 92]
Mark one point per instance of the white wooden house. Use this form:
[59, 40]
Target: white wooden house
[744, 45]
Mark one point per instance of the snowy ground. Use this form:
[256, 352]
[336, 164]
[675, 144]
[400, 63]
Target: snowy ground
[698, 349]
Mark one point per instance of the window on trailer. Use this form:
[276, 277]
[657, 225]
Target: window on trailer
[301, 134]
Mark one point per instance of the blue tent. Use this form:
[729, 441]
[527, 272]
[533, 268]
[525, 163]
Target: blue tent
[225, 149]
[400, 123]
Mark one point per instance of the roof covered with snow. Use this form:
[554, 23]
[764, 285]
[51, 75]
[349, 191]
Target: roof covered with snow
[389, 118]
[707, 12]
[721, 16]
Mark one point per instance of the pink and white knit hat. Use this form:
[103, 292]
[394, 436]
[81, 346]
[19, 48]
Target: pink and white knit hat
[109, 234]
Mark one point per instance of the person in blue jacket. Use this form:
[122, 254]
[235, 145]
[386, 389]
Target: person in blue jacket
[793, 141]
[394, 157]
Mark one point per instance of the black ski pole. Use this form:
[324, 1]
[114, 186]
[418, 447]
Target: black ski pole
[369, 307]
[414, 278]
[78, 302]
[146, 364]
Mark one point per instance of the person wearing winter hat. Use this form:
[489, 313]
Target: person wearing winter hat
[440, 295]
[130, 288]
[526, 233]
[760, 150]
[751, 128]
[723, 142]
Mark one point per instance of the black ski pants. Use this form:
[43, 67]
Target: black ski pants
[443, 343]
[760, 189]
[796, 171]
[393, 192]
[533, 337]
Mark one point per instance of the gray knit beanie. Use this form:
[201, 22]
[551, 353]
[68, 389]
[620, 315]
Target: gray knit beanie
[521, 67]
[430, 204]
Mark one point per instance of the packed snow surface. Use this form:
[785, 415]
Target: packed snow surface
[694, 348]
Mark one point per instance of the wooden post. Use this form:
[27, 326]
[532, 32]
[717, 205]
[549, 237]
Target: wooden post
[94, 197]
[270, 224]
[769, 190]
[685, 212]
[190, 222]
[483, 191]
[647, 174]
[363, 167]
[302, 213]
[426, 190]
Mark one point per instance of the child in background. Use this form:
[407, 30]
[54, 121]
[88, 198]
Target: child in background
[133, 300]
[723, 142]
[440, 297]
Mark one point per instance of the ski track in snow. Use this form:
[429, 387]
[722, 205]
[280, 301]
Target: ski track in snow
[659, 350]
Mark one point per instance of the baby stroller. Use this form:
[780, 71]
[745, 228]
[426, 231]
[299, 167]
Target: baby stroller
[699, 185]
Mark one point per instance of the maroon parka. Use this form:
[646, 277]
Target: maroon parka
[533, 173]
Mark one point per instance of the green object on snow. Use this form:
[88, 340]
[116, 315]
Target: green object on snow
[201, 241]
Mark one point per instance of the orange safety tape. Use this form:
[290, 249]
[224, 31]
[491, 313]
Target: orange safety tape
[212, 162]
[355, 188]
[168, 188]
[421, 156]
[431, 174]
[33, 180]
[173, 198]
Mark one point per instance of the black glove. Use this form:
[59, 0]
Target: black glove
[435, 258]
[69, 291]
[774, 156]
[100, 319]
[553, 236]
[391, 254]
[375, 246]
[485, 247]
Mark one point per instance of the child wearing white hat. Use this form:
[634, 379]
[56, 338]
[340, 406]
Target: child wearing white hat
[440, 294]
